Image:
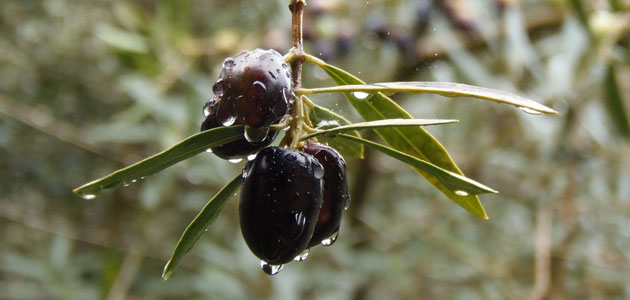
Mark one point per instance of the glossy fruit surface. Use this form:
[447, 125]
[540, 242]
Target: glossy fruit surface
[281, 197]
[254, 89]
[239, 148]
[335, 194]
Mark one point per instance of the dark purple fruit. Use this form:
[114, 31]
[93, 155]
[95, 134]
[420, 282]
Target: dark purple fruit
[336, 197]
[280, 200]
[254, 89]
[239, 148]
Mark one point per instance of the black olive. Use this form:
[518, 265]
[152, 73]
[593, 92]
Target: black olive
[280, 201]
[254, 89]
[336, 197]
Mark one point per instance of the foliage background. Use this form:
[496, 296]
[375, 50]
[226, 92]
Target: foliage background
[87, 87]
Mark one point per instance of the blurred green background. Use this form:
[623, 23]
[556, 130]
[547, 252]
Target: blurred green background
[87, 87]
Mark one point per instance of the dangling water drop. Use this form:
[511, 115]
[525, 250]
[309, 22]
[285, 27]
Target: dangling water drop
[270, 269]
[88, 196]
[255, 135]
[461, 193]
[360, 95]
[209, 150]
[251, 156]
[529, 110]
[126, 183]
[302, 256]
[331, 239]
[235, 160]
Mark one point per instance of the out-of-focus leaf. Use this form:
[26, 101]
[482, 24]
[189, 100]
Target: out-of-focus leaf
[198, 226]
[448, 89]
[578, 7]
[414, 141]
[460, 184]
[324, 118]
[381, 124]
[614, 103]
[188, 147]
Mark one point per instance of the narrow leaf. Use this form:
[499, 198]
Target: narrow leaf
[381, 124]
[187, 148]
[323, 117]
[461, 185]
[615, 104]
[447, 89]
[198, 226]
[414, 141]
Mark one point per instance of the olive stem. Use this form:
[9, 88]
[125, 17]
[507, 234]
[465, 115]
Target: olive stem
[296, 58]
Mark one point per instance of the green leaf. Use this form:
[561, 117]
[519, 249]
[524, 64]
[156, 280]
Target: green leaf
[198, 226]
[322, 117]
[380, 124]
[615, 104]
[414, 141]
[460, 184]
[448, 89]
[187, 148]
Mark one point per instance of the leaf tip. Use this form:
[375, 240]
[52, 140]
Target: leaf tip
[167, 272]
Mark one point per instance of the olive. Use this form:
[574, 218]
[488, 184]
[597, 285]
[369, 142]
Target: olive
[335, 193]
[254, 89]
[239, 148]
[281, 197]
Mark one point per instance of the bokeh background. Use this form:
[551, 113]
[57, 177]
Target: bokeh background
[87, 87]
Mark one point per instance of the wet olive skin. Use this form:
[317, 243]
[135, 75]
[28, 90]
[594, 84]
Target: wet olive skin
[281, 197]
[236, 149]
[255, 88]
[335, 193]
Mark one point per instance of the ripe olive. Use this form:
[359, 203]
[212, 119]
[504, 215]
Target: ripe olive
[281, 197]
[335, 193]
[254, 89]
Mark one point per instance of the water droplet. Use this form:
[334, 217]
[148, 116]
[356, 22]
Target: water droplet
[251, 156]
[228, 63]
[327, 124]
[134, 180]
[302, 256]
[89, 196]
[270, 269]
[360, 95]
[290, 157]
[318, 171]
[209, 150]
[235, 160]
[218, 89]
[529, 110]
[126, 183]
[207, 109]
[284, 65]
[331, 239]
[229, 121]
[461, 193]
[255, 135]
[259, 85]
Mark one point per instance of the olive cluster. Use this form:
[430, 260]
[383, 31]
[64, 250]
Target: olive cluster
[291, 199]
